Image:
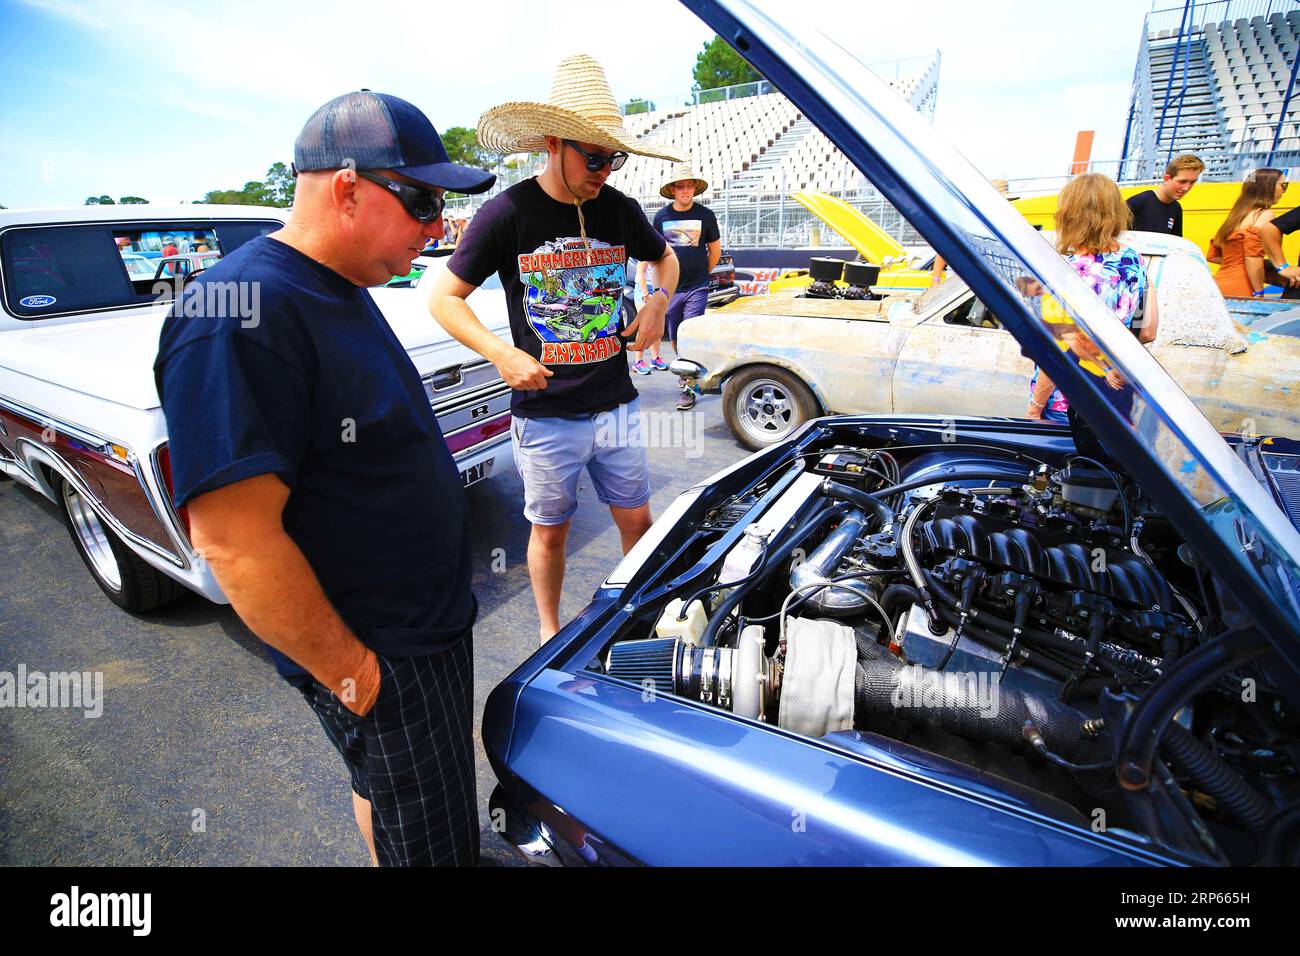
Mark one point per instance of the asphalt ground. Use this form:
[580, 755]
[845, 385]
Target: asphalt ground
[203, 755]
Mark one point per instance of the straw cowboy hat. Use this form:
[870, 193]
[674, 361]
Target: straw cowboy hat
[682, 173]
[581, 108]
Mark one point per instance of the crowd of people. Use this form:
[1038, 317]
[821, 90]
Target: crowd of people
[1090, 217]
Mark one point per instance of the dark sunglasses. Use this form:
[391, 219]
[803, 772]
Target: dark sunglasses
[597, 161]
[423, 204]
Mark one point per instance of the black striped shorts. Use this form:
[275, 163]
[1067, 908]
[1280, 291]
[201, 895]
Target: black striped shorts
[412, 756]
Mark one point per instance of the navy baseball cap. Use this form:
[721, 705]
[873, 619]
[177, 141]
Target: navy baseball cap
[367, 130]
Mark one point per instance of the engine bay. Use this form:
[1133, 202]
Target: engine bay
[992, 611]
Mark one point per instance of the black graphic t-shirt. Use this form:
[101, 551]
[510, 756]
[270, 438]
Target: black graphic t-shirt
[1150, 214]
[565, 300]
[689, 233]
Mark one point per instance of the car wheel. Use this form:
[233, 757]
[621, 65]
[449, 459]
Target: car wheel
[763, 405]
[129, 582]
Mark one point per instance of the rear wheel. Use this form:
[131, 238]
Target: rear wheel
[128, 581]
[764, 404]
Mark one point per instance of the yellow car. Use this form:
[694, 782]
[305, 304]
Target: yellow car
[872, 243]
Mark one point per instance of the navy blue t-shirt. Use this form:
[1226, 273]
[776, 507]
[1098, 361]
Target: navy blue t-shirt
[689, 233]
[316, 388]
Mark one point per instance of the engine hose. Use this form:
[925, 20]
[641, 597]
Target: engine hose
[898, 595]
[975, 475]
[759, 564]
[999, 626]
[914, 566]
[836, 489]
[885, 686]
[1215, 777]
[1187, 677]
[775, 558]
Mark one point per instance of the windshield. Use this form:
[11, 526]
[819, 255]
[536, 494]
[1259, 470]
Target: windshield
[936, 297]
[1136, 408]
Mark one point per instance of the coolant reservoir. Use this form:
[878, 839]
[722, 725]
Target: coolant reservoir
[688, 630]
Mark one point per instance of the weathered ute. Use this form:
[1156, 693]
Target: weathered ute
[783, 358]
[938, 639]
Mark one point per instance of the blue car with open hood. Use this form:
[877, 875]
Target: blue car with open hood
[928, 639]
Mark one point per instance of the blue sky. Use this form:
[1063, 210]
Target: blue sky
[168, 101]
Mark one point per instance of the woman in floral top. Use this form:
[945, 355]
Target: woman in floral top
[1090, 215]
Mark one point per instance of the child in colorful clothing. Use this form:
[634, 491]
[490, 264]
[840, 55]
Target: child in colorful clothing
[1090, 217]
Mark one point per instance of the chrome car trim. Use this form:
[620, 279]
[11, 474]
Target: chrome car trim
[69, 474]
[173, 521]
[455, 403]
[104, 445]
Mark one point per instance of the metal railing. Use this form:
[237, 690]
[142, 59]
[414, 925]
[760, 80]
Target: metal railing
[1221, 166]
[773, 220]
[1214, 11]
[765, 220]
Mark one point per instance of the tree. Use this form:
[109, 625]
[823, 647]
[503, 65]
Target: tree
[100, 201]
[462, 147]
[280, 185]
[254, 193]
[638, 106]
[719, 65]
[133, 201]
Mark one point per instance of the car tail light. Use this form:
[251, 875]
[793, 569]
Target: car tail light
[165, 470]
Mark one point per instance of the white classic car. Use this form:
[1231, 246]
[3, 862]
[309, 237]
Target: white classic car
[784, 358]
[80, 419]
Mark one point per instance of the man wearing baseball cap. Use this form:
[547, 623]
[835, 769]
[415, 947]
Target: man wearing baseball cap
[560, 243]
[318, 485]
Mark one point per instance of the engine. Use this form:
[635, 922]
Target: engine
[1011, 616]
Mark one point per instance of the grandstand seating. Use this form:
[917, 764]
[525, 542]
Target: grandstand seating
[1251, 62]
[1218, 91]
[753, 145]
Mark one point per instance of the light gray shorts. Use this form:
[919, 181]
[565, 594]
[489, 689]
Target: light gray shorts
[550, 454]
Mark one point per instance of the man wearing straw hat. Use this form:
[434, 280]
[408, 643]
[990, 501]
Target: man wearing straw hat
[559, 243]
[692, 230]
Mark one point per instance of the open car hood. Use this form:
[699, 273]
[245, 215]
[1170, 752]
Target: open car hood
[1167, 445]
[871, 242]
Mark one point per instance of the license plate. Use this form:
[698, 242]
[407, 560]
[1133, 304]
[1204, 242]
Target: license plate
[476, 473]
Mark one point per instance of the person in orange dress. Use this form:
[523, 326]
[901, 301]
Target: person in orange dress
[1237, 246]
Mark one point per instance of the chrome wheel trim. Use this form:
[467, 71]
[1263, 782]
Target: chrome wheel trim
[92, 536]
[766, 410]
